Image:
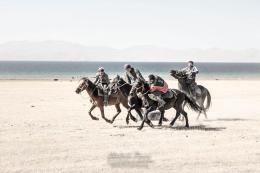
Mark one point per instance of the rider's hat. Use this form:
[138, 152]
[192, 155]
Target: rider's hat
[151, 77]
[191, 62]
[127, 66]
[101, 69]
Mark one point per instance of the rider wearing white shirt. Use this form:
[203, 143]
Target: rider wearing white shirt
[191, 71]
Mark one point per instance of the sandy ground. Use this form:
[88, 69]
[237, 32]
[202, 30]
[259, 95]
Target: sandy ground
[45, 127]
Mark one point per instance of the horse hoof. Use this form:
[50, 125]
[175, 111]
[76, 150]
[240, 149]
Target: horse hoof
[159, 124]
[165, 119]
[151, 125]
[127, 122]
[109, 121]
[94, 118]
[187, 126]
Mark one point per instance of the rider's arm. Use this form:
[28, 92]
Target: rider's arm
[195, 70]
[139, 75]
[107, 79]
[96, 80]
[127, 78]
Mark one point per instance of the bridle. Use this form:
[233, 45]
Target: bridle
[84, 86]
[179, 75]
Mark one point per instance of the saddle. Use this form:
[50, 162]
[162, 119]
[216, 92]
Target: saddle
[169, 94]
[110, 92]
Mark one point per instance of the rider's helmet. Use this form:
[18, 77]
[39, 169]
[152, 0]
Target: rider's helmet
[101, 69]
[151, 77]
[191, 63]
[127, 66]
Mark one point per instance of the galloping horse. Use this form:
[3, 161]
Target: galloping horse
[98, 101]
[120, 84]
[201, 92]
[175, 102]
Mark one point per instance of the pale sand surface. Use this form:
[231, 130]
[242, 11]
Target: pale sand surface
[45, 127]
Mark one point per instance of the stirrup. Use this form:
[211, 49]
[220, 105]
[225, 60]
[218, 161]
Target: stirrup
[161, 104]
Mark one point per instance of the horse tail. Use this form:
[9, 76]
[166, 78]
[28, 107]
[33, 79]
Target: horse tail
[208, 100]
[192, 104]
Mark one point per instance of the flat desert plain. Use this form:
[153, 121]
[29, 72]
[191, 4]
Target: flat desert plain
[45, 127]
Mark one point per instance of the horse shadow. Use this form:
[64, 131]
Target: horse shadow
[228, 119]
[196, 128]
[179, 128]
[126, 126]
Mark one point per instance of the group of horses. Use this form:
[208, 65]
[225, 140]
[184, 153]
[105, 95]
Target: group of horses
[137, 97]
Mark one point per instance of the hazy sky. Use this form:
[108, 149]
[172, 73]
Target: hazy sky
[122, 23]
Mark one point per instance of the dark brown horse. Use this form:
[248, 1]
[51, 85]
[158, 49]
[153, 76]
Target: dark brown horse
[175, 102]
[116, 99]
[120, 84]
[201, 95]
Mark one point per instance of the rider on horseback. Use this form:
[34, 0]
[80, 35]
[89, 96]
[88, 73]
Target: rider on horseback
[102, 81]
[190, 71]
[132, 75]
[158, 87]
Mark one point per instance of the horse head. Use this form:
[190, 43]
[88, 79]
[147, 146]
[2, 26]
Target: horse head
[115, 80]
[86, 82]
[177, 74]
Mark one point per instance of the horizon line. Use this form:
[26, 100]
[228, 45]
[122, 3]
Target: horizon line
[238, 62]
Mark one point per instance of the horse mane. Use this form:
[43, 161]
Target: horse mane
[91, 85]
[176, 75]
[122, 80]
[146, 86]
[83, 78]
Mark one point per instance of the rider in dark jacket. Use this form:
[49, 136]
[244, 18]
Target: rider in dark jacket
[158, 87]
[102, 80]
[132, 75]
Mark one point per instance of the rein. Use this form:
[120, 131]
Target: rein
[94, 89]
[121, 85]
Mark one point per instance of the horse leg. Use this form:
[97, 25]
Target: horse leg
[145, 119]
[205, 114]
[125, 104]
[175, 118]
[103, 114]
[204, 111]
[180, 109]
[90, 110]
[198, 116]
[127, 116]
[142, 125]
[201, 101]
[186, 118]
[118, 112]
[161, 117]
[181, 118]
[165, 119]
[139, 113]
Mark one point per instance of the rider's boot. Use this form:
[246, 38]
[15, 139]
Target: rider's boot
[105, 97]
[193, 93]
[161, 102]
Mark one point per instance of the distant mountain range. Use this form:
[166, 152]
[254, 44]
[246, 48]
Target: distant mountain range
[66, 51]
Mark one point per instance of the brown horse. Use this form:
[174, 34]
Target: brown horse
[116, 99]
